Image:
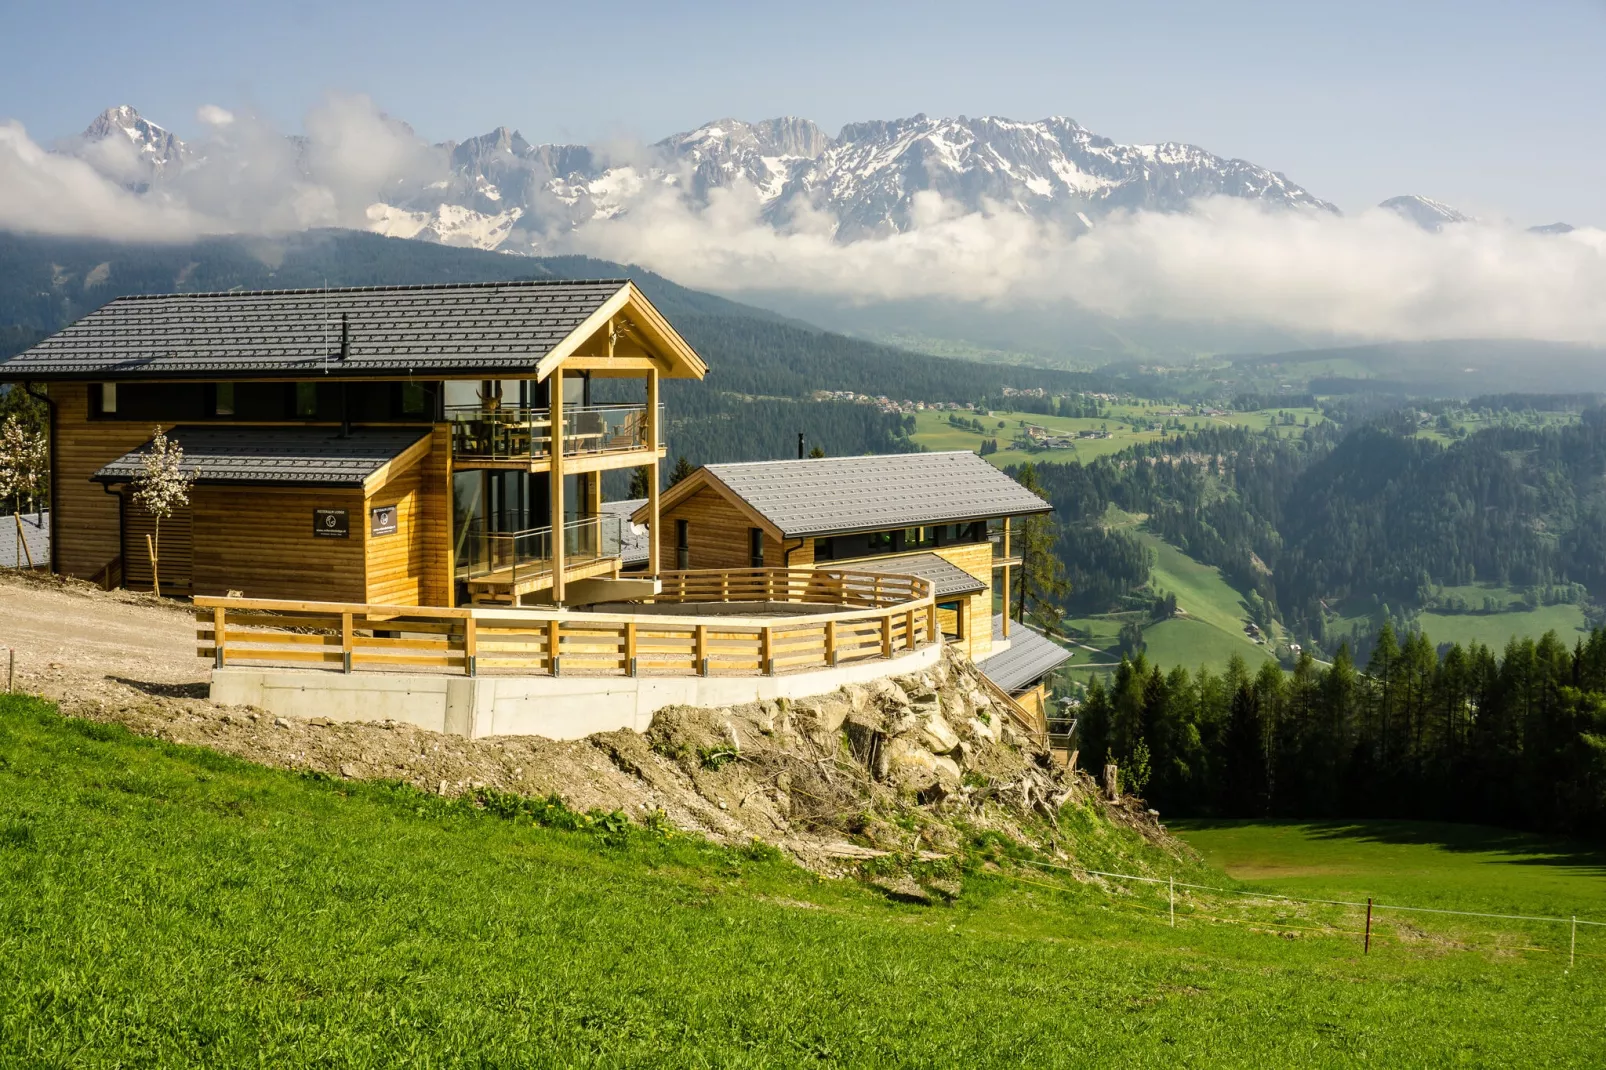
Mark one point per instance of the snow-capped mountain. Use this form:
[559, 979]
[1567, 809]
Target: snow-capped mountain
[130, 149]
[1426, 212]
[872, 179]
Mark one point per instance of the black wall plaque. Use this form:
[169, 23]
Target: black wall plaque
[382, 520]
[331, 524]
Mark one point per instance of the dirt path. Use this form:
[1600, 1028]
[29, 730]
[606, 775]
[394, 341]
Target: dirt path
[75, 642]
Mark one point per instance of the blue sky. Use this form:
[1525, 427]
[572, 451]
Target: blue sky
[1495, 107]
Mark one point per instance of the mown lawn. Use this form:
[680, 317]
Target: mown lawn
[164, 906]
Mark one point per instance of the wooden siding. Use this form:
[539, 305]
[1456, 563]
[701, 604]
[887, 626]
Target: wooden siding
[396, 564]
[176, 548]
[87, 534]
[435, 507]
[975, 559]
[718, 536]
[259, 540]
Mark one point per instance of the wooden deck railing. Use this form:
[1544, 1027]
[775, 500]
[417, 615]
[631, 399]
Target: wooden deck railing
[860, 617]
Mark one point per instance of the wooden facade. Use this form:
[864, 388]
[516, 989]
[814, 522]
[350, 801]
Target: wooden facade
[255, 535]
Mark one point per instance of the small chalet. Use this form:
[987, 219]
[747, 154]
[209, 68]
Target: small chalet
[403, 445]
[944, 517]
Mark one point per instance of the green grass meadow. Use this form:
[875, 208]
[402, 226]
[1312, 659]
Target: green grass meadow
[162, 905]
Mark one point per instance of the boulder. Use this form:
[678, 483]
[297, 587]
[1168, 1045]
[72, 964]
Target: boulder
[936, 734]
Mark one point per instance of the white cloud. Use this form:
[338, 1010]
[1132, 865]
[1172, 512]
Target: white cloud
[212, 115]
[1229, 261]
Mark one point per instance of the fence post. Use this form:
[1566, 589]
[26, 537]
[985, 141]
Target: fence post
[553, 643]
[766, 651]
[909, 630]
[630, 647]
[1572, 950]
[886, 633]
[830, 643]
[701, 653]
[345, 641]
[932, 635]
[1173, 902]
[219, 627]
[11, 681]
[1367, 950]
[471, 647]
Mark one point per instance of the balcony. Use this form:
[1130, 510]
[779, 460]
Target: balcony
[516, 437]
[995, 536]
[501, 566]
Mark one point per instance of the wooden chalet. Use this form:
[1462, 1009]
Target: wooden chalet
[408, 445]
[944, 517]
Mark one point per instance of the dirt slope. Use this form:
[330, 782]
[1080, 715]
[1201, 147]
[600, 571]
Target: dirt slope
[900, 766]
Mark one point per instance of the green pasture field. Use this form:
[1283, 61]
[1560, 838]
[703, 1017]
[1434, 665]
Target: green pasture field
[1209, 633]
[1491, 629]
[934, 432]
[1412, 863]
[161, 905]
[1494, 629]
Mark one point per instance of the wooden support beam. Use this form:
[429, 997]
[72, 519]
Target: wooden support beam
[554, 641]
[654, 536]
[219, 630]
[556, 517]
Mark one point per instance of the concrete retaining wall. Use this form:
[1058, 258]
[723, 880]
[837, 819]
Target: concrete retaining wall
[564, 707]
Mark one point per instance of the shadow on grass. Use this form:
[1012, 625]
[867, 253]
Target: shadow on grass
[1509, 845]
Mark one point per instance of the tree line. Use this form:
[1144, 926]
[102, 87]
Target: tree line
[1515, 738]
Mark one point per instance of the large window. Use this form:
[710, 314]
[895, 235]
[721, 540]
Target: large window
[898, 540]
[755, 547]
[313, 401]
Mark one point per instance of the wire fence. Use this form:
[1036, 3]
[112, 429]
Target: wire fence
[1194, 907]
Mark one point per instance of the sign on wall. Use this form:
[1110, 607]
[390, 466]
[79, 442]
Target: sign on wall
[382, 520]
[331, 524]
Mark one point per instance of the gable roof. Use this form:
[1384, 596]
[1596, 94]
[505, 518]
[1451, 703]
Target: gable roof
[836, 495]
[306, 456]
[948, 579]
[494, 328]
[1030, 656]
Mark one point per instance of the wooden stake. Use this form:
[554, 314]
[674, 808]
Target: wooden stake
[1572, 951]
[1368, 949]
[1173, 902]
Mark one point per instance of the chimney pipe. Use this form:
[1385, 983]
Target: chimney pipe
[345, 336]
[800, 445]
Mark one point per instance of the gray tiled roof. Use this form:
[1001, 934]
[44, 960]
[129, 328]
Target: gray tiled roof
[1030, 657]
[634, 547]
[35, 540]
[830, 495]
[316, 456]
[490, 327]
[949, 579]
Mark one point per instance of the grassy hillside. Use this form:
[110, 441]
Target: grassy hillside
[1209, 631]
[162, 905]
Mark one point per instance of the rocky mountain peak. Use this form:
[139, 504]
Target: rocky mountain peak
[1425, 212]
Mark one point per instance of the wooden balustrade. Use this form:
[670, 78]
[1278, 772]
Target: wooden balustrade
[861, 617]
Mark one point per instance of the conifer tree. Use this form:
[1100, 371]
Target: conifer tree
[681, 470]
[1043, 586]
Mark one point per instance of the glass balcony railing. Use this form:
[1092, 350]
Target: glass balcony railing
[507, 558]
[518, 434]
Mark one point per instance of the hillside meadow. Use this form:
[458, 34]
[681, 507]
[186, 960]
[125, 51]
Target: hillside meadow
[164, 905]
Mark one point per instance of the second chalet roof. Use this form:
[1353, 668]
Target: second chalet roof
[948, 579]
[833, 495]
[455, 329]
[307, 456]
[1030, 656]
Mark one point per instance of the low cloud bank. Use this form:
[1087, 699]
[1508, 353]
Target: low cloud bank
[1372, 275]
